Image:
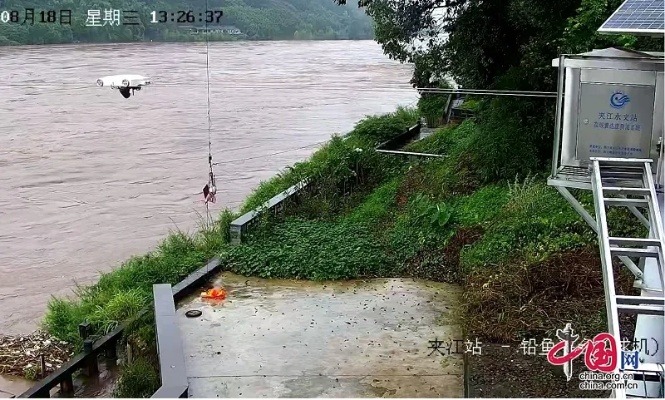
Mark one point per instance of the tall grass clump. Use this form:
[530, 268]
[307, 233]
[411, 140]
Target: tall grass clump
[437, 143]
[432, 106]
[535, 223]
[511, 139]
[455, 174]
[139, 379]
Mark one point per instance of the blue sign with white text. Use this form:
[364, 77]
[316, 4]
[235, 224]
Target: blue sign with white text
[619, 100]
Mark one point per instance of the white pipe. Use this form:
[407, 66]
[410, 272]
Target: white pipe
[517, 93]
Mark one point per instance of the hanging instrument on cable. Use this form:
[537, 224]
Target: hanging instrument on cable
[210, 189]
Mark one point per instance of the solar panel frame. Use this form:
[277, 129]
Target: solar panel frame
[641, 17]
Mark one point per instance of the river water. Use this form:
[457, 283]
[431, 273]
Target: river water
[88, 178]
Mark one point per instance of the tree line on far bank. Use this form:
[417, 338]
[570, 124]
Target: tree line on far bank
[255, 19]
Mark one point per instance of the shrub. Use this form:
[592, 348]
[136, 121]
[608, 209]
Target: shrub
[471, 104]
[139, 379]
[513, 137]
[432, 106]
[378, 129]
[303, 249]
[437, 143]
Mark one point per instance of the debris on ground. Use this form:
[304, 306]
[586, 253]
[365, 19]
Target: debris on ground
[214, 294]
[21, 355]
[505, 371]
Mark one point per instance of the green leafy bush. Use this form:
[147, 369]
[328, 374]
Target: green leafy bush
[437, 143]
[471, 105]
[514, 136]
[432, 106]
[304, 249]
[378, 129]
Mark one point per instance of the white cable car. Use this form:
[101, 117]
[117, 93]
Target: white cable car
[124, 83]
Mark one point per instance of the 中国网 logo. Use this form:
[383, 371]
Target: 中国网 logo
[619, 100]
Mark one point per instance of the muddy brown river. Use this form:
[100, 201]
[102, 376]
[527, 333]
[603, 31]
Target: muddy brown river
[88, 178]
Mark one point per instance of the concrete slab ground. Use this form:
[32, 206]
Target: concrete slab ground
[279, 338]
[13, 386]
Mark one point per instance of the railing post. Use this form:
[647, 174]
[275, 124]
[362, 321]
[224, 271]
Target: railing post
[67, 385]
[84, 330]
[91, 366]
[111, 350]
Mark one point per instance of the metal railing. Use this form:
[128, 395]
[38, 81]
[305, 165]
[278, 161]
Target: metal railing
[172, 360]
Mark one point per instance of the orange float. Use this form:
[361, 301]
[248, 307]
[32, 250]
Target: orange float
[214, 294]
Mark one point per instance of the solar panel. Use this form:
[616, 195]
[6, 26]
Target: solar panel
[646, 17]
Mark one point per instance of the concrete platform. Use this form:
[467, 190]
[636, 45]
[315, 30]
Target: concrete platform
[277, 338]
[13, 386]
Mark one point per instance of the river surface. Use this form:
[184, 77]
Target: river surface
[88, 178]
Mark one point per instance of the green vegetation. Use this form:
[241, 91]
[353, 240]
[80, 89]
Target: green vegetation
[256, 20]
[305, 249]
[121, 294]
[138, 379]
[350, 160]
[433, 106]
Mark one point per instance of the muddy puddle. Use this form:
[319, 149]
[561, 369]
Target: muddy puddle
[286, 338]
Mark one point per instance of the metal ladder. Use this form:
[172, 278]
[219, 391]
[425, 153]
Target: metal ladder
[625, 182]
